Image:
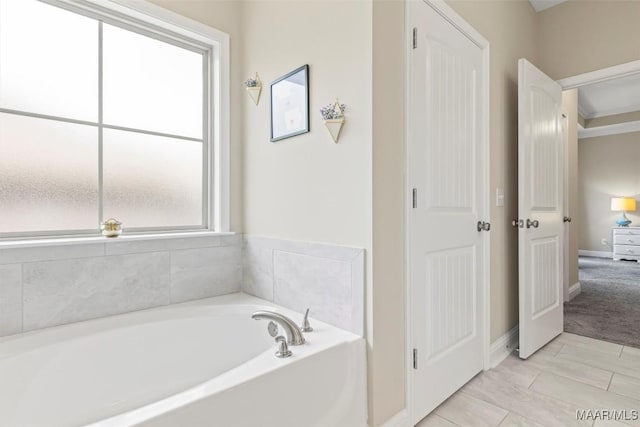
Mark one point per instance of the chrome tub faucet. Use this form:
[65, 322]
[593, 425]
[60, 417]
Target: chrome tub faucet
[291, 330]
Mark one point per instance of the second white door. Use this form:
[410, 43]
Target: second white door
[540, 207]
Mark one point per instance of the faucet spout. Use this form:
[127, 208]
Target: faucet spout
[294, 336]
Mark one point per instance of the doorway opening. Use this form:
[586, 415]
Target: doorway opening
[602, 300]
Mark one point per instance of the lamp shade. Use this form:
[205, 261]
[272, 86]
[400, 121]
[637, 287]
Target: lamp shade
[623, 204]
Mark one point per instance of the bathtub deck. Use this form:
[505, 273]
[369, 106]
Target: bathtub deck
[569, 374]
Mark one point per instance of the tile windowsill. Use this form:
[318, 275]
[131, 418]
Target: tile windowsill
[69, 241]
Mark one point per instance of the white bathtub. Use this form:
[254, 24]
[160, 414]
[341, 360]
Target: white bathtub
[204, 363]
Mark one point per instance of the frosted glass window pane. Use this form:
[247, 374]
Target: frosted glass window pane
[48, 60]
[152, 181]
[48, 175]
[151, 85]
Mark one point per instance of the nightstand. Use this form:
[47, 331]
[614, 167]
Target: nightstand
[626, 243]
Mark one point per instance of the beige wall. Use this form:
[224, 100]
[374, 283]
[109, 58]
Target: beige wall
[511, 28]
[570, 109]
[585, 35]
[609, 166]
[387, 364]
[308, 187]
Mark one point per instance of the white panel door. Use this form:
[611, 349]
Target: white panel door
[446, 176]
[540, 207]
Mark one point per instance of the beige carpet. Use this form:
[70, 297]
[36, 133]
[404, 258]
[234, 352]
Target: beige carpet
[608, 308]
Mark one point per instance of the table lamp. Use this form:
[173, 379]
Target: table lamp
[624, 205]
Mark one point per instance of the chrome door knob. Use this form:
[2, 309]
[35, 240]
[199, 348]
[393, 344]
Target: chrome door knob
[533, 223]
[483, 226]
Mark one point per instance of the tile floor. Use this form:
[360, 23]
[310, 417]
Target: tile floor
[568, 374]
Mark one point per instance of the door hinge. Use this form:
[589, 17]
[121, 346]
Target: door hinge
[415, 358]
[415, 37]
[415, 198]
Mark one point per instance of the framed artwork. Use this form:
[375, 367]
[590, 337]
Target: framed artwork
[290, 104]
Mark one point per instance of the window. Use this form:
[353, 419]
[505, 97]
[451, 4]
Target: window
[102, 116]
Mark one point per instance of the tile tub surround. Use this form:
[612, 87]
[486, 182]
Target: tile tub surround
[66, 291]
[51, 283]
[327, 279]
[56, 283]
[10, 299]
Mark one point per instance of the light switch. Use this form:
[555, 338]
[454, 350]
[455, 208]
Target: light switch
[499, 196]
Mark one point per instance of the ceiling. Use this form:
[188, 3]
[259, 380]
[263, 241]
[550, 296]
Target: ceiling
[615, 96]
[540, 5]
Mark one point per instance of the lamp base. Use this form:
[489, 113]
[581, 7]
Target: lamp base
[623, 221]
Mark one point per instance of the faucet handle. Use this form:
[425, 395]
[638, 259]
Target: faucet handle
[272, 328]
[306, 327]
[283, 348]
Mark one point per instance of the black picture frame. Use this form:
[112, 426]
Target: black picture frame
[290, 104]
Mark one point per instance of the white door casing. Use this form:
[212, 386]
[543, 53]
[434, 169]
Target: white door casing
[540, 208]
[447, 165]
[566, 209]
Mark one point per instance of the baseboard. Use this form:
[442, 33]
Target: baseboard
[574, 290]
[401, 419]
[596, 254]
[503, 347]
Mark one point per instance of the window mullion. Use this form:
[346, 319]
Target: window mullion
[100, 129]
[206, 207]
[46, 117]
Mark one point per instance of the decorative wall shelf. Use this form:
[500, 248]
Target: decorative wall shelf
[334, 126]
[254, 88]
[333, 116]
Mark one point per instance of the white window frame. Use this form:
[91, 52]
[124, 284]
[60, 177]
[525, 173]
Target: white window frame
[146, 18]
